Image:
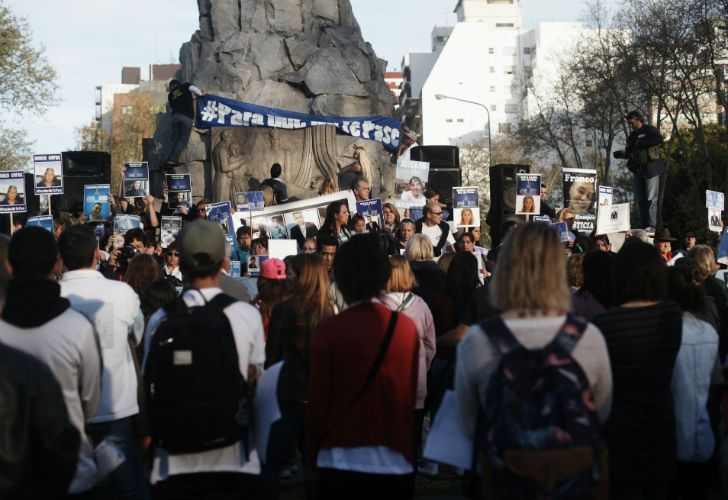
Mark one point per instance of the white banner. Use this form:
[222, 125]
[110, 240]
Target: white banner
[613, 219]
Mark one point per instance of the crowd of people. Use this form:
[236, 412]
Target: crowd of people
[577, 372]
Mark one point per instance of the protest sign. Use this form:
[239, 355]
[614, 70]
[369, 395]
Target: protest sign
[302, 224]
[276, 227]
[254, 263]
[171, 226]
[528, 194]
[178, 183]
[136, 179]
[48, 174]
[44, 221]
[606, 196]
[580, 187]
[466, 207]
[250, 201]
[371, 210]
[96, 202]
[235, 269]
[541, 218]
[563, 229]
[410, 185]
[122, 223]
[723, 248]
[714, 200]
[222, 213]
[216, 111]
[613, 219]
[280, 249]
[714, 220]
[12, 192]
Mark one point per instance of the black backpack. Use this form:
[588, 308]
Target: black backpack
[197, 398]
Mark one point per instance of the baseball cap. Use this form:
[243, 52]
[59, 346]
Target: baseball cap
[634, 114]
[200, 242]
[273, 269]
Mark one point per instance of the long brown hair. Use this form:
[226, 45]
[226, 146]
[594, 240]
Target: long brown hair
[311, 285]
[143, 269]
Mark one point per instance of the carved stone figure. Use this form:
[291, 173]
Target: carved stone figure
[307, 56]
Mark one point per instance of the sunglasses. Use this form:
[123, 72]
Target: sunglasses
[173, 254]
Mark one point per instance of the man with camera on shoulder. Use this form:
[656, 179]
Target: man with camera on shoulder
[643, 160]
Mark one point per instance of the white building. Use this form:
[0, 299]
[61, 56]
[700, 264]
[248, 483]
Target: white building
[105, 101]
[489, 59]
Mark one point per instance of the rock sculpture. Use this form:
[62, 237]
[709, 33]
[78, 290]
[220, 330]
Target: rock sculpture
[299, 55]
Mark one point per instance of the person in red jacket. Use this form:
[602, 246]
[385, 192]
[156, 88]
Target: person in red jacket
[359, 420]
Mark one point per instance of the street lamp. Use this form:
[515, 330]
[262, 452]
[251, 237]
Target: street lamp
[487, 112]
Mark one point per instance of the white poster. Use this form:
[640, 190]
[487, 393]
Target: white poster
[714, 200]
[613, 219]
[714, 220]
[605, 196]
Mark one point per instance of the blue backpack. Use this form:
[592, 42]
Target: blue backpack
[538, 434]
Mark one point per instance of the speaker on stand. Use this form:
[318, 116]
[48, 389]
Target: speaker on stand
[502, 198]
[445, 171]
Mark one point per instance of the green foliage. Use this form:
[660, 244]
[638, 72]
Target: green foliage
[28, 84]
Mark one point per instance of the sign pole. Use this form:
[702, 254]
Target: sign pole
[12, 225]
[50, 212]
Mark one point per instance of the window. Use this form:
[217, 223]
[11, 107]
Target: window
[509, 70]
[127, 110]
[448, 120]
[460, 120]
[504, 128]
[493, 107]
[511, 108]
[589, 143]
[491, 50]
[492, 69]
[492, 88]
[504, 25]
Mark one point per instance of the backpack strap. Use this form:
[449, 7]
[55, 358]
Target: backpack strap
[222, 300]
[571, 332]
[499, 334]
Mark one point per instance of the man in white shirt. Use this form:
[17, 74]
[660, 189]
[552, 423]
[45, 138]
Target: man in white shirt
[114, 309]
[223, 472]
[432, 226]
[39, 322]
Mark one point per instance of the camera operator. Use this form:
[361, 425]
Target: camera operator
[643, 160]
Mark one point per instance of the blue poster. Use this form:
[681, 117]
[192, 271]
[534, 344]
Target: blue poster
[48, 174]
[122, 223]
[179, 183]
[235, 269]
[723, 248]
[96, 202]
[371, 210]
[12, 192]
[44, 221]
[215, 111]
[563, 231]
[465, 197]
[528, 194]
[250, 201]
[221, 212]
[136, 179]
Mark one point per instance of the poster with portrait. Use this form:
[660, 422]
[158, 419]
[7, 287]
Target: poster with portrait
[563, 231]
[136, 179]
[580, 190]
[714, 220]
[178, 182]
[44, 221]
[465, 197]
[412, 177]
[613, 219]
[466, 217]
[170, 228]
[12, 192]
[254, 264]
[96, 202]
[179, 200]
[528, 194]
[371, 210]
[276, 227]
[302, 224]
[48, 174]
[249, 201]
[221, 212]
[122, 223]
[606, 196]
[280, 249]
[235, 269]
[714, 200]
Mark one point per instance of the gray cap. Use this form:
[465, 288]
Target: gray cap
[200, 237]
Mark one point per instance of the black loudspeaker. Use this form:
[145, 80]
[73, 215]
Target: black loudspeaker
[81, 168]
[444, 168]
[502, 198]
[437, 156]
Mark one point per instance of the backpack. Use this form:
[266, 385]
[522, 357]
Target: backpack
[538, 434]
[197, 398]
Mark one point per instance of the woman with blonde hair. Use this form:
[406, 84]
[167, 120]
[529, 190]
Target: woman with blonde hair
[431, 280]
[400, 298]
[714, 289]
[291, 324]
[327, 186]
[269, 197]
[528, 205]
[466, 217]
[530, 287]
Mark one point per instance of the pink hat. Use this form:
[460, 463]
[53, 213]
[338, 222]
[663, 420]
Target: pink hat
[273, 269]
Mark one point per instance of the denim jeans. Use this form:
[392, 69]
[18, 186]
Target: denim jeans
[181, 131]
[129, 480]
[646, 194]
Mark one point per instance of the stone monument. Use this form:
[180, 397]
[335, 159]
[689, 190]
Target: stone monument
[298, 55]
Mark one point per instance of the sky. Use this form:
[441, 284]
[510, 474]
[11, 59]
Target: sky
[89, 41]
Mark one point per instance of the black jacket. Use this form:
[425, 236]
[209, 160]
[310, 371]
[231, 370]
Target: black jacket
[39, 444]
[641, 147]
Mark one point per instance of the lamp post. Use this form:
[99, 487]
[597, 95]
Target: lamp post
[487, 112]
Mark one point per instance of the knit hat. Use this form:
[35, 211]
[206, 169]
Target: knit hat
[273, 269]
